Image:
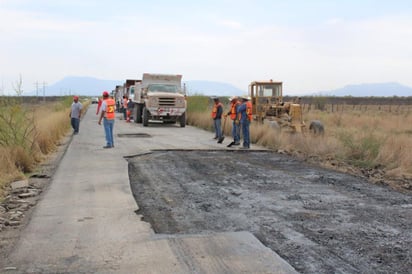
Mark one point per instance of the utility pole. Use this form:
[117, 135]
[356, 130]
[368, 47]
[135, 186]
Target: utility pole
[44, 91]
[37, 88]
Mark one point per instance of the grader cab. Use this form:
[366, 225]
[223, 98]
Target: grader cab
[268, 105]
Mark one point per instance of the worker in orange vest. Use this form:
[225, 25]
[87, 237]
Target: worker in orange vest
[233, 114]
[108, 115]
[99, 105]
[130, 106]
[245, 112]
[217, 112]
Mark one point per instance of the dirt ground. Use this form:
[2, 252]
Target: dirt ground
[318, 220]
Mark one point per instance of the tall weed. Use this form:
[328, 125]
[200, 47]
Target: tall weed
[27, 133]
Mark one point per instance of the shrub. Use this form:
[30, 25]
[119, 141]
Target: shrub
[361, 151]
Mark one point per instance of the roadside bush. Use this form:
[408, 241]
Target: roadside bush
[361, 151]
[27, 133]
[197, 103]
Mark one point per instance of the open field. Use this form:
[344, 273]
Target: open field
[369, 140]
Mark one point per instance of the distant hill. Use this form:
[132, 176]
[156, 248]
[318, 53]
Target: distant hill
[210, 88]
[369, 90]
[89, 86]
[76, 85]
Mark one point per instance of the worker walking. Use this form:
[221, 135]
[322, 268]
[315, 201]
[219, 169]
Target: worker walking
[108, 115]
[245, 112]
[217, 112]
[233, 114]
[75, 114]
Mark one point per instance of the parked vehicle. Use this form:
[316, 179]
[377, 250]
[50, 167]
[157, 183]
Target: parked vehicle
[159, 97]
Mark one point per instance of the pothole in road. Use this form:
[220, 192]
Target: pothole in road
[133, 135]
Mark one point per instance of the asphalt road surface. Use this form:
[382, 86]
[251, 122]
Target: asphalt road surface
[319, 221]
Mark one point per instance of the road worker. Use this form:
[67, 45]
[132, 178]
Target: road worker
[99, 105]
[217, 112]
[108, 115]
[124, 107]
[75, 114]
[130, 106]
[245, 112]
[233, 114]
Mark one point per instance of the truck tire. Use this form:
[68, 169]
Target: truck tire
[137, 113]
[145, 117]
[134, 113]
[316, 127]
[182, 120]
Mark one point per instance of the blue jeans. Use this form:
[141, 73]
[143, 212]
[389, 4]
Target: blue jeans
[217, 123]
[236, 132]
[108, 131]
[75, 124]
[245, 131]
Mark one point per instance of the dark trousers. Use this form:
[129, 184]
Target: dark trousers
[75, 124]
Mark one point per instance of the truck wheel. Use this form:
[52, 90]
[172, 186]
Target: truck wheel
[145, 117]
[138, 113]
[316, 127]
[134, 113]
[182, 120]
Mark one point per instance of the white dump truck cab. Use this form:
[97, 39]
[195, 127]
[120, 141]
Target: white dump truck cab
[159, 97]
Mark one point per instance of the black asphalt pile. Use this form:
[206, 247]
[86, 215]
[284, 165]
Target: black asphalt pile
[318, 220]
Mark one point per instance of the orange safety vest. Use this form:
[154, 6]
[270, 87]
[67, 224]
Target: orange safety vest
[249, 110]
[110, 108]
[233, 110]
[214, 110]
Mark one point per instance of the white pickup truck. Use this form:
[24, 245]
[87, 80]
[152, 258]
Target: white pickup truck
[159, 97]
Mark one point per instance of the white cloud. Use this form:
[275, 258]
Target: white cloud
[230, 24]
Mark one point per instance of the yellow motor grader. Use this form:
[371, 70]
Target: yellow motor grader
[268, 105]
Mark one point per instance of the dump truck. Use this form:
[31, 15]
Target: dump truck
[159, 97]
[268, 105]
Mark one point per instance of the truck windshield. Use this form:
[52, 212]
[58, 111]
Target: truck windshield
[163, 88]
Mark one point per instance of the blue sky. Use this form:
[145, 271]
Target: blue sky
[309, 45]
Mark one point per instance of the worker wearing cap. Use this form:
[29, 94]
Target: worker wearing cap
[75, 114]
[233, 114]
[108, 115]
[217, 112]
[245, 112]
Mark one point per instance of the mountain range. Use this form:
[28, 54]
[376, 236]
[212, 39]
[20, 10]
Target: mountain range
[369, 90]
[89, 86]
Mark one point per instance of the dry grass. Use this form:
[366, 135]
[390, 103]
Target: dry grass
[363, 139]
[28, 134]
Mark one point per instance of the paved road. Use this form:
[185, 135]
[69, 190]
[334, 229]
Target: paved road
[86, 222]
